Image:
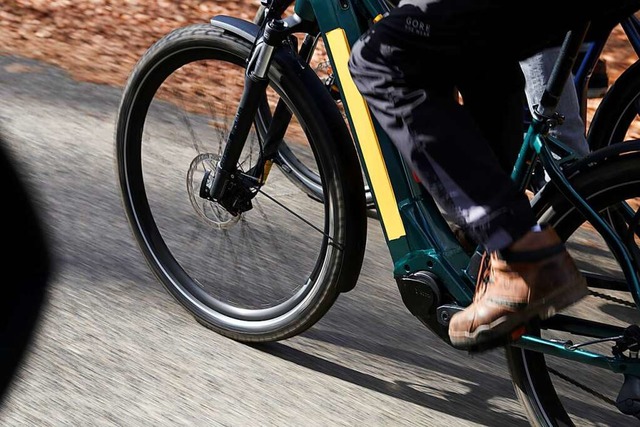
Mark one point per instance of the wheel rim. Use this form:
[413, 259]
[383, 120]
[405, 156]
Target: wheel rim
[560, 392]
[628, 125]
[185, 275]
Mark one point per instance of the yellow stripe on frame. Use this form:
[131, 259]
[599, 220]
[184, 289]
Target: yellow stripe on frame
[367, 138]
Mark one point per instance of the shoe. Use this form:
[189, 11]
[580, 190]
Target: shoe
[599, 81]
[535, 279]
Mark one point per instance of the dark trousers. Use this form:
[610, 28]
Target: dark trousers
[407, 67]
[463, 154]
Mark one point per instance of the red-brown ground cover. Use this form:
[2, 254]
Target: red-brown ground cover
[100, 40]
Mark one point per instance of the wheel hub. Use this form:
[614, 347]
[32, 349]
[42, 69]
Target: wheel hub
[211, 212]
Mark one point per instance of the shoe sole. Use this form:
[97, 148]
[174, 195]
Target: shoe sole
[499, 332]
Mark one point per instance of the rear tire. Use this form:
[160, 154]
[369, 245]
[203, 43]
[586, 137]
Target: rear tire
[616, 118]
[550, 399]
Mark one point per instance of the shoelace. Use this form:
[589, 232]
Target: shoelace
[483, 276]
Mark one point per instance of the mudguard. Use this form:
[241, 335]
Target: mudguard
[336, 126]
[245, 29]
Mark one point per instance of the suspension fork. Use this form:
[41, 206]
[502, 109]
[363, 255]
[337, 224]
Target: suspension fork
[282, 115]
[256, 82]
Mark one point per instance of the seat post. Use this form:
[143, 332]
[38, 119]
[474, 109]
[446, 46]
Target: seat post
[561, 71]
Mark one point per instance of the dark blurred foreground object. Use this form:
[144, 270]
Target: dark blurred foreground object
[26, 268]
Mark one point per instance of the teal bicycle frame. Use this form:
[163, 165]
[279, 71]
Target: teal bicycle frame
[417, 234]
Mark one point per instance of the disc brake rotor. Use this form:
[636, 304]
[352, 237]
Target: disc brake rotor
[210, 212]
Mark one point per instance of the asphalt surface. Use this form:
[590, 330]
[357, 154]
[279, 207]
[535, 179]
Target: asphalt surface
[114, 348]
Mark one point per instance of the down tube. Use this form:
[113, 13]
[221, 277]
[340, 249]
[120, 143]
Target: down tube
[417, 235]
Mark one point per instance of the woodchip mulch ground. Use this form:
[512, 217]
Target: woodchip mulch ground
[100, 40]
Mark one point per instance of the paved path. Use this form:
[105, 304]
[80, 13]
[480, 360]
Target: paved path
[115, 349]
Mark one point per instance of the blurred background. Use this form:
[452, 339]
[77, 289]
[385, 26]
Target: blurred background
[113, 348]
[99, 41]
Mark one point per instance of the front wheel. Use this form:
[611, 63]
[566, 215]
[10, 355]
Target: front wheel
[268, 273]
[559, 392]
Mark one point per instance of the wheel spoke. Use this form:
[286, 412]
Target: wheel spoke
[259, 275]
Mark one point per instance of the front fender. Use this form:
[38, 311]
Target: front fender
[245, 29]
[296, 70]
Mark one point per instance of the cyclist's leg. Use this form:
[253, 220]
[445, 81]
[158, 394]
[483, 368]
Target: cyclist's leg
[537, 70]
[412, 101]
[493, 96]
[447, 147]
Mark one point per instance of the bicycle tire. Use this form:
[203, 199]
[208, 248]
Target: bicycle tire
[604, 184]
[616, 113]
[321, 277]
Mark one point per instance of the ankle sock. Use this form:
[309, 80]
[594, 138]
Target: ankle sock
[534, 255]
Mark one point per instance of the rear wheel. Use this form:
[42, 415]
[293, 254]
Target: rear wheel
[268, 273]
[556, 391]
[617, 116]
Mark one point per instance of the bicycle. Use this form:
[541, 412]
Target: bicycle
[613, 121]
[247, 275]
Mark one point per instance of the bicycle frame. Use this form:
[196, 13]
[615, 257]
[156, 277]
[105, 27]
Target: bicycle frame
[417, 234]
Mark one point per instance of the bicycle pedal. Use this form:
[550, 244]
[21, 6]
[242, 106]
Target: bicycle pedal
[489, 345]
[489, 342]
[518, 333]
